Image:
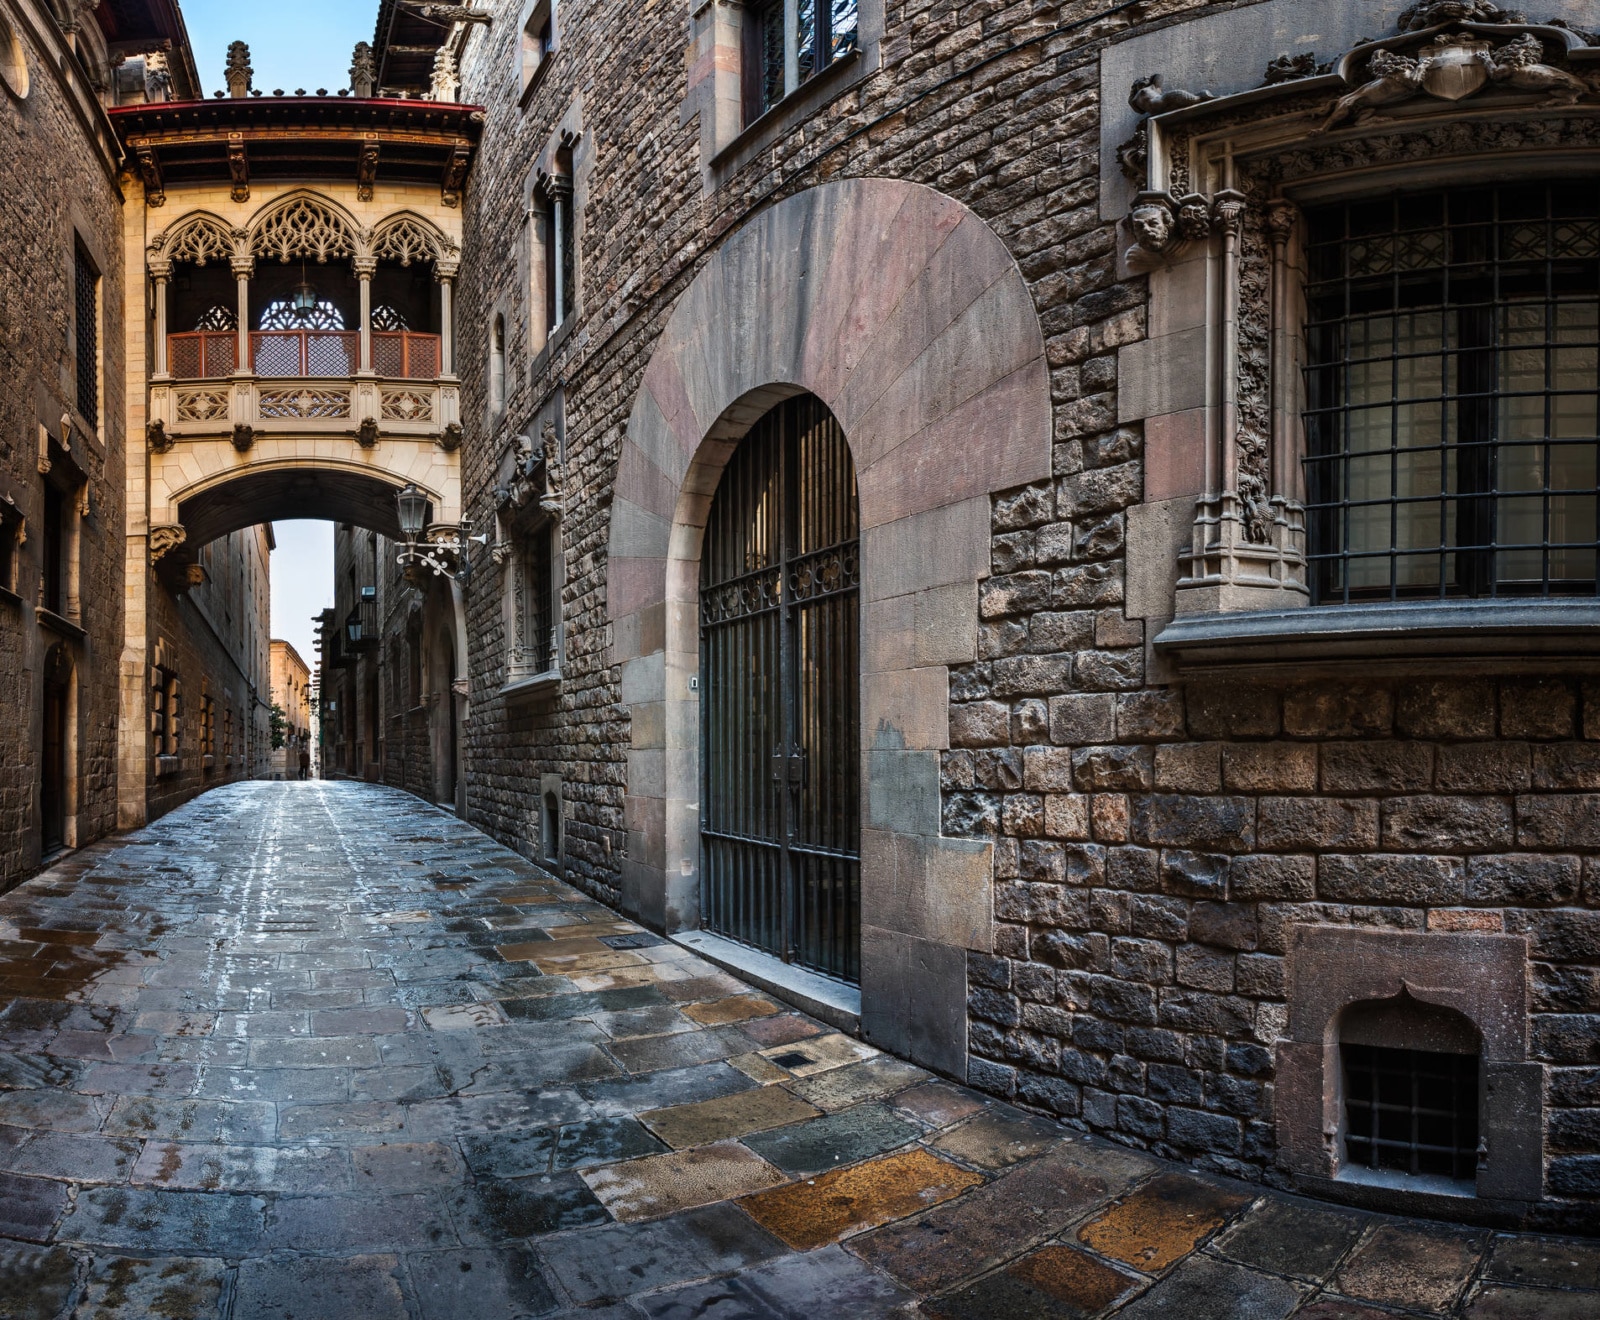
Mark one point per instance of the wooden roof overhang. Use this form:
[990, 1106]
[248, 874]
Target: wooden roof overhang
[136, 27]
[404, 45]
[293, 138]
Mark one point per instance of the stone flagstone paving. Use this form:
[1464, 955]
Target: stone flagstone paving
[320, 1050]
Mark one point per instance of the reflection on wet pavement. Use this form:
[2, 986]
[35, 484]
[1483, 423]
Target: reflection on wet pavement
[320, 1050]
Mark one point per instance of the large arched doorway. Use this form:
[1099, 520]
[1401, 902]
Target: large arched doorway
[780, 708]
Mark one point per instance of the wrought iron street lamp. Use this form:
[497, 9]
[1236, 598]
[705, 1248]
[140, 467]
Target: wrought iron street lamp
[412, 506]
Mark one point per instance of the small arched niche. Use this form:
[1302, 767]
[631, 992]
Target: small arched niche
[1410, 1087]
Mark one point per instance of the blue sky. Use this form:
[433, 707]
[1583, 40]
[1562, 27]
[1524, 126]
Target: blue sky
[293, 43]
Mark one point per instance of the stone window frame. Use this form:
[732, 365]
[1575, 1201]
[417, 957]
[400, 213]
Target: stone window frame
[535, 16]
[553, 859]
[13, 536]
[560, 173]
[1216, 557]
[528, 521]
[716, 84]
[1483, 978]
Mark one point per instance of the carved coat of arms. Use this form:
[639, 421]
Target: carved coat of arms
[1453, 67]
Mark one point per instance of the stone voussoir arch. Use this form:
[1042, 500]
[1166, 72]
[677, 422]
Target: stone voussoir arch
[907, 316]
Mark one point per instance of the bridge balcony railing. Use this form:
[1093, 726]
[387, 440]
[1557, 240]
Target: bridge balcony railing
[214, 354]
[305, 383]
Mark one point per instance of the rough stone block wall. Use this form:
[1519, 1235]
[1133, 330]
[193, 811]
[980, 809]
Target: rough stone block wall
[216, 637]
[55, 181]
[1154, 837]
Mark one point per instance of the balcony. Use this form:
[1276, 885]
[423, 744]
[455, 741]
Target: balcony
[303, 380]
[214, 354]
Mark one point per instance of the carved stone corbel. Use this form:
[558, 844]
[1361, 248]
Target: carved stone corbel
[165, 539]
[244, 435]
[156, 437]
[367, 433]
[449, 439]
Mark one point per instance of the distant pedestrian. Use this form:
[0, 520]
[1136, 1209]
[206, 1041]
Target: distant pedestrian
[305, 763]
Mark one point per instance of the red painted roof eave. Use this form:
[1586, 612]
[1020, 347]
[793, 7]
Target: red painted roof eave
[448, 109]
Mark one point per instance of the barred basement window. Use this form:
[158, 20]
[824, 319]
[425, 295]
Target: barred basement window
[1411, 1111]
[1453, 380]
[86, 324]
[788, 43]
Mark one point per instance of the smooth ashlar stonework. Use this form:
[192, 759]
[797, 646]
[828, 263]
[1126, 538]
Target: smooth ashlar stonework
[903, 312]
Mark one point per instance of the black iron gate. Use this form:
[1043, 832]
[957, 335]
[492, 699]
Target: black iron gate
[780, 823]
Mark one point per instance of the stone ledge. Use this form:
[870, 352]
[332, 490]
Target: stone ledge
[534, 685]
[1440, 631]
[9, 597]
[835, 1003]
[62, 627]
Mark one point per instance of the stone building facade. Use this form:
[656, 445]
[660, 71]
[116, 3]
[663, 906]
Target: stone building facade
[64, 393]
[291, 698]
[1220, 761]
[395, 704]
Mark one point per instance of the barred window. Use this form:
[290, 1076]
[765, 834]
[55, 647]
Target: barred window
[1453, 377]
[86, 324]
[538, 601]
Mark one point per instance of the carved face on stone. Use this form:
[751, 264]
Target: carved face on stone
[1152, 226]
[1194, 217]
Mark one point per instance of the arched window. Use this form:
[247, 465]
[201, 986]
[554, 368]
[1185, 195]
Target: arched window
[282, 314]
[497, 364]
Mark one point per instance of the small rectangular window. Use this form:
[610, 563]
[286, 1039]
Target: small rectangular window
[86, 325]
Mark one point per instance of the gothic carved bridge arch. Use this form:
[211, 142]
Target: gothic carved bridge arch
[905, 314]
[355, 415]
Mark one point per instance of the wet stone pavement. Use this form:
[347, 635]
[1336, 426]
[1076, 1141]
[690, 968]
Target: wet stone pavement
[319, 1050]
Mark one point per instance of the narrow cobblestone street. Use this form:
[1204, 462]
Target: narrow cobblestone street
[319, 1050]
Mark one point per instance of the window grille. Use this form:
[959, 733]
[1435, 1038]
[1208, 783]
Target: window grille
[86, 311]
[1411, 1111]
[1453, 378]
[388, 318]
